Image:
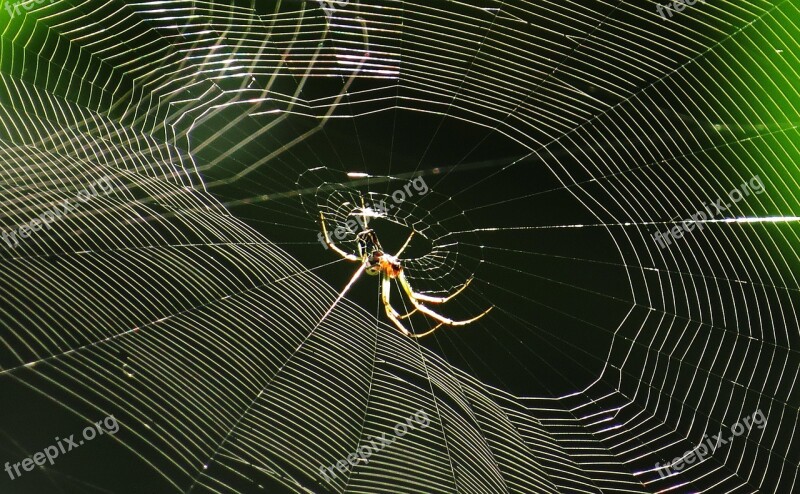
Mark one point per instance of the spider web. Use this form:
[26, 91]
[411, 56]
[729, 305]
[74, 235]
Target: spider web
[196, 303]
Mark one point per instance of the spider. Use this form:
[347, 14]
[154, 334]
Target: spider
[374, 261]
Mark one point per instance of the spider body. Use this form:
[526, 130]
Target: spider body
[388, 265]
[375, 261]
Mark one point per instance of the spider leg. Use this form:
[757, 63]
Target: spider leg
[425, 310]
[431, 299]
[364, 213]
[349, 257]
[426, 333]
[408, 240]
[393, 315]
[408, 314]
[359, 272]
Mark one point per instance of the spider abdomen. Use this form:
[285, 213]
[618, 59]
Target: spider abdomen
[379, 262]
[391, 268]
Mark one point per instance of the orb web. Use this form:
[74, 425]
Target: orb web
[196, 303]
